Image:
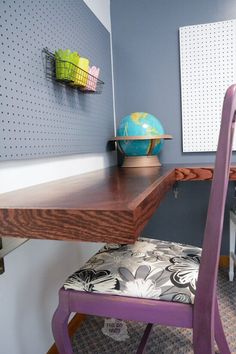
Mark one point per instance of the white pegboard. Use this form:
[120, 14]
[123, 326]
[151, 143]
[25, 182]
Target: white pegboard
[207, 62]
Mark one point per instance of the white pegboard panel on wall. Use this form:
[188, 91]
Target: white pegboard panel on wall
[207, 61]
[38, 117]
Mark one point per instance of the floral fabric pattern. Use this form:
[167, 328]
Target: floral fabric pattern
[185, 271]
[149, 268]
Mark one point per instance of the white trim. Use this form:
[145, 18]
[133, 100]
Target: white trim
[20, 174]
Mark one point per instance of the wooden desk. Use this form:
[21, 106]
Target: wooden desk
[109, 205]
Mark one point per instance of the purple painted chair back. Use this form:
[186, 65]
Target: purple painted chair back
[215, 216]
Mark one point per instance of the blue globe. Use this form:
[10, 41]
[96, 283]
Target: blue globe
[136, 124]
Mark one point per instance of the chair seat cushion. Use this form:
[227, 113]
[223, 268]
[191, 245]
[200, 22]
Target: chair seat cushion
[149, 268]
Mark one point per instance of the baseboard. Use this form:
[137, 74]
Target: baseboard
[73, 325]
[224, 261]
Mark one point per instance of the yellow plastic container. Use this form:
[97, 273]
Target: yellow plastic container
[81, 75]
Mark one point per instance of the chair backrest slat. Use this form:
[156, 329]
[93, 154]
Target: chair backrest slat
[207, 278]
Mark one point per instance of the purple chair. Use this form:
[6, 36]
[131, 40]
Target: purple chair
[157, 281]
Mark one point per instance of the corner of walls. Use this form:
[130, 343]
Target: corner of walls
[101, 9]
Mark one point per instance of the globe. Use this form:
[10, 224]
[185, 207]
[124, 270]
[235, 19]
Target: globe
[140, 124]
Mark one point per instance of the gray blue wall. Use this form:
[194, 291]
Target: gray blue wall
[147, 78]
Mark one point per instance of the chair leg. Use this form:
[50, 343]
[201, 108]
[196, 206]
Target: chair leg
[219, 333]
[203, 334]
[60, 327]
[144, 339]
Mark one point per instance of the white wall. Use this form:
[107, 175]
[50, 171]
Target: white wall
[19, 174]
[101, 8]
[35, 271]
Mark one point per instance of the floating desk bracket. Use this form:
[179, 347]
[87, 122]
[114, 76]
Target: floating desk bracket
[234, 189]
[175, 189]
[1, 259]
[7, 245]
[233, 205]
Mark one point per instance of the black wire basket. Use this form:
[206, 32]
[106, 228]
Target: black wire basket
[70, 74]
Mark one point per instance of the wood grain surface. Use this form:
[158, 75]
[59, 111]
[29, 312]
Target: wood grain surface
[199, 173]
[109, 205]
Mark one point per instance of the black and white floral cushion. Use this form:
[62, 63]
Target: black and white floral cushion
[149, 268]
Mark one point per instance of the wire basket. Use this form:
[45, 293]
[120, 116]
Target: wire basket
[70, 74]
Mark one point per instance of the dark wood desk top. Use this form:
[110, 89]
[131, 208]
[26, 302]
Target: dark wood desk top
[108, 205]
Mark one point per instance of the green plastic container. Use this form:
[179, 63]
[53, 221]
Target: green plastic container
[66, 64]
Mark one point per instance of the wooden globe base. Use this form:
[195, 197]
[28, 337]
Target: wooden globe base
[141, 161]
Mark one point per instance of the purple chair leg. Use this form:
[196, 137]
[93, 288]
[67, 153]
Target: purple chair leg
[219, 333]
[60, 326]
[203, 334]
[144, 339]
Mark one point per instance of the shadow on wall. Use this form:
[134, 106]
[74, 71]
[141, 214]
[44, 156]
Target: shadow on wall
[186, 215]
[49, 267]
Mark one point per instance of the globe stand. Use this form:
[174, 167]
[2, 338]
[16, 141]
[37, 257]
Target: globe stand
[141, 161]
